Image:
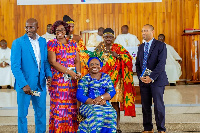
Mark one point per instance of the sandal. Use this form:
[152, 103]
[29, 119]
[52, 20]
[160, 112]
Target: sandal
[119, 131]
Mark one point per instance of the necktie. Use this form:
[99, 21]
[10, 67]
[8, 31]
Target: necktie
[145, 56]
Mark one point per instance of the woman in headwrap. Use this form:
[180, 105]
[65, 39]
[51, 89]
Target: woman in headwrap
[94, 91]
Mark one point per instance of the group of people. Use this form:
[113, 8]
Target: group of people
[92, 85]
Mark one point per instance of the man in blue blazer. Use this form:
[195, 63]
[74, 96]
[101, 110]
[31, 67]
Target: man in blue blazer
[152, 55]
[30, 66]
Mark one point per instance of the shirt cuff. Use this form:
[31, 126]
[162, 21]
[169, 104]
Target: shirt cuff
[152, 80]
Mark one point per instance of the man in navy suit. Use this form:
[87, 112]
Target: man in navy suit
[152, 55]
[31, 68]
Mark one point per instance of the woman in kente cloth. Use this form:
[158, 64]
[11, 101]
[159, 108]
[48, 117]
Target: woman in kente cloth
[95, 90]
[63, 56]
[117, 62]
[80, 45]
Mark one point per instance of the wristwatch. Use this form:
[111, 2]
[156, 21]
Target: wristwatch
[102, 97]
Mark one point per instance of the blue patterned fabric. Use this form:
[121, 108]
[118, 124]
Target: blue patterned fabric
[98, 118]
[145, 56]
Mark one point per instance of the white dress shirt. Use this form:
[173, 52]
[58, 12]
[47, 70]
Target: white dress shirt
[36, 49]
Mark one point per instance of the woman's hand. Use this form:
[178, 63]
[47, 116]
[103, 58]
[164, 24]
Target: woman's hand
[78, 75]
[97, 100]
[89, 101]
[71, 73]
[103, 102]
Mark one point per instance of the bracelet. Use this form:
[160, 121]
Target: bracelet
[66, 71]
[118, 56]
[79, 73]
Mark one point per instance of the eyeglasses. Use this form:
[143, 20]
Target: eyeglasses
[62, 30]
[29, 27]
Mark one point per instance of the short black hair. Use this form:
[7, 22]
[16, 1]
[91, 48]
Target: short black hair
[126, 26]
[3, 40]
[49, 25]
[152, 28]
[100, 28]
[162, 35]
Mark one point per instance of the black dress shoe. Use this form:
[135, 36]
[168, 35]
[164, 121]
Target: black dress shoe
[9, 87]
[172, 84]
[119, 131]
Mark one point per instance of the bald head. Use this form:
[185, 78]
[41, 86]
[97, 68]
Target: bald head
[150, 26]
[31, 28]
[33, 21]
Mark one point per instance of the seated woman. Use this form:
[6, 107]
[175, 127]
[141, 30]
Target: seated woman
[94, 91]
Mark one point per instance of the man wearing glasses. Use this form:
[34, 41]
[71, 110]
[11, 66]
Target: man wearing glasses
[30, 68]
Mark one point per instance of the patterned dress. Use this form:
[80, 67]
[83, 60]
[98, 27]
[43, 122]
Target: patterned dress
[83, 58]
[121, 73]
[98, 118]
[63, 102]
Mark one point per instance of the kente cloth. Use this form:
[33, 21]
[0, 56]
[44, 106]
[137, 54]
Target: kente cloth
[63, 102]
[121, 68]
[98, 118]
[83, 57]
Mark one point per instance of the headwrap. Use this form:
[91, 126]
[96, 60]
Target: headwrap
[67, 19]
[108, 31]
[91, 58]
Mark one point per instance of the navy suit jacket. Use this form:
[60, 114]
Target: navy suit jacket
[24, 65]
[156, 61]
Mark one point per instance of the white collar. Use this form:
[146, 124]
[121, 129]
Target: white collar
[37, 37]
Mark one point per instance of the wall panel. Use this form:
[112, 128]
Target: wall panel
[169, 17]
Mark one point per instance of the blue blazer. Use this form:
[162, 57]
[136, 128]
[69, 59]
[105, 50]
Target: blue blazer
[24, 65]
[156, 62]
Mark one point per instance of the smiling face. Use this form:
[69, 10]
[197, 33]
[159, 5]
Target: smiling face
[60, 32]
[31, 28]
[3, 44]
[94, 66]
[108, 39]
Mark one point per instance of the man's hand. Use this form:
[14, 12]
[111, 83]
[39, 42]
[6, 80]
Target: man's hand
[142, 79]
[114, 54]
[1, 64]
[146, 79]
[179, 61]
[5, 64]
[49, 79]
[27, 90]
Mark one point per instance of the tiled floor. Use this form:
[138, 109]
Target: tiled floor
[182, 111]
[180, 95]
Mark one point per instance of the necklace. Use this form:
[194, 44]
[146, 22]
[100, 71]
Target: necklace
[104, 48]
[71, 36]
